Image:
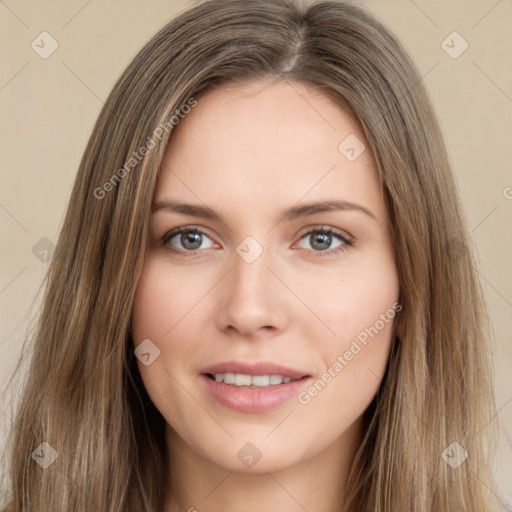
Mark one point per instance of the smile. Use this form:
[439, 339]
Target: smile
[252, 387]
[240, 379]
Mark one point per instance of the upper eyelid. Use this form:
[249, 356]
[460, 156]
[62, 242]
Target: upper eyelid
[326, 227]
[176, 231]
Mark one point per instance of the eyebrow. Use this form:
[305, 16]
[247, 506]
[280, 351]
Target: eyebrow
[292, 213]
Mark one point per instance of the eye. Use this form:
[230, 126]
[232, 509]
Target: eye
[320, 240]
[188, 239]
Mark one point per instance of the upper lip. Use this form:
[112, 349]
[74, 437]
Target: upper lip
[255, 368]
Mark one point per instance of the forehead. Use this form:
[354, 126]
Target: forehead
[264, 143]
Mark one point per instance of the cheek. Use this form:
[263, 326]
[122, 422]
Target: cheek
[163, 306]
[362, 308]
[162, 302]
[159, 314]
[360, 299]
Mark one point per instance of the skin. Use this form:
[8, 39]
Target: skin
[249, 152]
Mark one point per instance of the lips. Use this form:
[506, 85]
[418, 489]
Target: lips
[253, 398]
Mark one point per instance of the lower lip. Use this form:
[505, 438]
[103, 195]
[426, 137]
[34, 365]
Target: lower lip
[253, 399]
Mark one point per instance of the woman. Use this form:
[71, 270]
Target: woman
[250, 305]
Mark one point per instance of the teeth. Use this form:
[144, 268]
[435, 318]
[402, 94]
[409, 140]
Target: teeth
[229, 378]
[260, 381]
[242, 380]
[275, 379]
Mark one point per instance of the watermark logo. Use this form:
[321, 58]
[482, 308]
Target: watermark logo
[249, 249]
[454, 45]
[147, 352]
[249, 454]
[454, 455]
[44, 45]
[44, 455]
[351, 147]
[43, 249]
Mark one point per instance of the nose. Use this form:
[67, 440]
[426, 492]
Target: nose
[252, 298]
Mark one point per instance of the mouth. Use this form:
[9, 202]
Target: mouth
[243, 380]
[253, 387]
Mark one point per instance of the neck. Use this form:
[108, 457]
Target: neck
[198, 484]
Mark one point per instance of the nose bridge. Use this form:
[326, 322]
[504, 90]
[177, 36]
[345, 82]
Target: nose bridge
[251, 264]
[252, 299]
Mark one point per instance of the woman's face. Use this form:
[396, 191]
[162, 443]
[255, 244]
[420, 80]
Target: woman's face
[262, 291]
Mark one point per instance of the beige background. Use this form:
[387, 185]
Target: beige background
[48, 108]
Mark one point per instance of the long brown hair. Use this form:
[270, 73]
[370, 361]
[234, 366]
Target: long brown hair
[83, 394]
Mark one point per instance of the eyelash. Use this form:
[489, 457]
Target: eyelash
[347, 242]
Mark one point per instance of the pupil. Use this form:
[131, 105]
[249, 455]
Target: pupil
[323, 238]
[187, 237]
